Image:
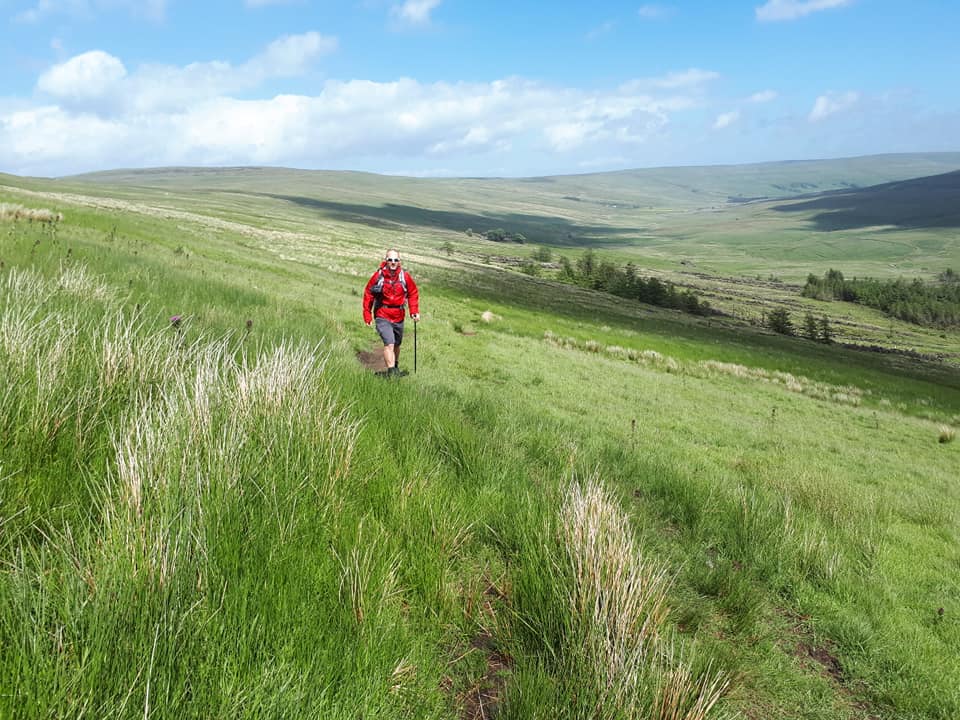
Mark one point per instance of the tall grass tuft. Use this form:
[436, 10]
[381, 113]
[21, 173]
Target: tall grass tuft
[182, 553]
[601, 606]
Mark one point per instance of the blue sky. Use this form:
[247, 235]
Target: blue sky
[458, 88]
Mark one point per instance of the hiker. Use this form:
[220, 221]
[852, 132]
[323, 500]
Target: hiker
[388, 290]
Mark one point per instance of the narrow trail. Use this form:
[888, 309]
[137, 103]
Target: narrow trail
[482, 700]
[372, 359]
[819, 658]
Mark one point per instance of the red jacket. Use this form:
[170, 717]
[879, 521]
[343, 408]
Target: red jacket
[389, 303]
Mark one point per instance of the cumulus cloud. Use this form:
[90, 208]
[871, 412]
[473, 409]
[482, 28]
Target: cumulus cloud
[291, 55]
[725, 120]
[415, 12]
[832, 103]
[91, 76]
[778, 10]
[45, 136]
[98, 82]
[186, 115]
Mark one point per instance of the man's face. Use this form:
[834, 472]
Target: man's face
[393, 260]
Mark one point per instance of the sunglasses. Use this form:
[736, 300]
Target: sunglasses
[393, 260]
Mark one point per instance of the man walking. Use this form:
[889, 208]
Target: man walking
[389, 289]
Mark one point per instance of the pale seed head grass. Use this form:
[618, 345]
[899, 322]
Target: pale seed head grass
[277, 380]
[15, 213]
[683, 694]
[947, 434]
[369, 575]
[617, 604]
[76, 280]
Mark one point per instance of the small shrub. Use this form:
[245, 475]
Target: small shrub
[779, 321]
[947, 434]
[542, 254]
[530, 268]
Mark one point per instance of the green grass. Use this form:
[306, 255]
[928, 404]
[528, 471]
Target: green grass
[211, 521]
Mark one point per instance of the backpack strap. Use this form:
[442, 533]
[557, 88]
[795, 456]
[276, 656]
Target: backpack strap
[377, 291]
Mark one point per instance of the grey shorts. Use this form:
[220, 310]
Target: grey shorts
[390, 332]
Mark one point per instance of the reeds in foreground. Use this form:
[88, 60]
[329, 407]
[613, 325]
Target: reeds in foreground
[618, 646]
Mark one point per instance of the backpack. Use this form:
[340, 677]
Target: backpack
[377, 289]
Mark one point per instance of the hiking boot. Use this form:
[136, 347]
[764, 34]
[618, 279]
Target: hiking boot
[393, 371]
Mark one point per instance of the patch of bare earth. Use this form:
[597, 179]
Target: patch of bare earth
[482, 700]
[372, 360]
[821, 659]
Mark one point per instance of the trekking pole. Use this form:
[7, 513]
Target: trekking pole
[415, 323]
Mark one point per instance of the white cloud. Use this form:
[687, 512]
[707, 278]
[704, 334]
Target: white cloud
[776, 10]
[832, 103]
[98, 82]
[764, 96]
[46, 136]
[185, 115]
[415, 12]
[727, 119]
[291, 54]
[90, 76]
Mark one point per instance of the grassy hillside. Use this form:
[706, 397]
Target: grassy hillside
[575, 508]
[655, 217]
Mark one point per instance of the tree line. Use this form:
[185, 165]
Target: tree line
[935, 304]
[591, 272]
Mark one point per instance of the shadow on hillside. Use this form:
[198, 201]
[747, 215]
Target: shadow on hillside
[392, 216]
[928, 202]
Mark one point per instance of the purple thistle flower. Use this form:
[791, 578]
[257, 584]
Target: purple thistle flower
[175, 320]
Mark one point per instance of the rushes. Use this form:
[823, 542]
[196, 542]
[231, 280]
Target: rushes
[617, 601]
[842, 394]
[620, 595]
[18, 212]
[368, 577]
[176, 501]
[602, 606]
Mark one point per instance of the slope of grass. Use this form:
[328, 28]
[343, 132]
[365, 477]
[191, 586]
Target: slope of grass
[216, 519]
[659, 214]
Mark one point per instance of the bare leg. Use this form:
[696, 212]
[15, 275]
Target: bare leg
[389, 356]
